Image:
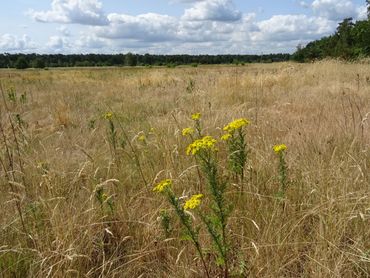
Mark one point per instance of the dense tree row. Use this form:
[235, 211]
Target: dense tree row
[22, 61]
[350, 41]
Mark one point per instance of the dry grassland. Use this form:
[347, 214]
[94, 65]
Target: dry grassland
[57, 152]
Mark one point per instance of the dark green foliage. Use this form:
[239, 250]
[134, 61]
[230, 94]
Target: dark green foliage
[38, 63]
[130, 60]
[21, 63]
[350, 41]
[166, 223]
[99, 60]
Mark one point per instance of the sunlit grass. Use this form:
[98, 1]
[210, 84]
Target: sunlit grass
[81, 151]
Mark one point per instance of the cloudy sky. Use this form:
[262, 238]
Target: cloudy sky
[169, 26]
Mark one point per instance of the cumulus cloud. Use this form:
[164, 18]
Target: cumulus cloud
[335, 9]
[11, 43]
[215, 10]
[86, 12]
[293, 27]
[91, 42]
[57, 43]
[206, 26]
[145, 27]
[362, 12]
[64, 31]
[304, 4]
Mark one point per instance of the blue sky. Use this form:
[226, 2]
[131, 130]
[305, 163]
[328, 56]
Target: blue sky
[169, 26]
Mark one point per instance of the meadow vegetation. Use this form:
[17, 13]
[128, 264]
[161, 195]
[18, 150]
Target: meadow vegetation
[112, 172]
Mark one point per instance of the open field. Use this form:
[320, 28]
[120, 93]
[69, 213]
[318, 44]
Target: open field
[76, 193]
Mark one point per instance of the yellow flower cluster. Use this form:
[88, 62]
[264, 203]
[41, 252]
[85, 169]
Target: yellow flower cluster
[193, 202]
[205, 143]
[108, 115]
[196, 116]
[142, 138]
[235, 125]
[163, 185]
[279, 148]
[187, 131]
[226, 137]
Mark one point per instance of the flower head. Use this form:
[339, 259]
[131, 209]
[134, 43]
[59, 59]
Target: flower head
[279, 148]
[163, 185]
[226, 137]
[235, 125]
[205, 143]
[196, 116]
[187, 131]
[142, 138]
[193, 202]
[108, 115]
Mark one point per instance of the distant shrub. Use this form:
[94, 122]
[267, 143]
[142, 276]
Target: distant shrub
[21, 63]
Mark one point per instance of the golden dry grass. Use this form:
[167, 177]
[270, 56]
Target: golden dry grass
[320, 111]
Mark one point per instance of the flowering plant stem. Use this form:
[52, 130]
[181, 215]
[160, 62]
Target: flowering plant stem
[282, 174]
[187, 223]
[220, 211]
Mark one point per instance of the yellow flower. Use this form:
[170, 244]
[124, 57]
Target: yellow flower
[108, 115]
[142, 138]
[193, 202]
[279, 148]
[226, 137]
[163, 185]
[205, 143]
[187, 131]
[235, 125]
[196, 116]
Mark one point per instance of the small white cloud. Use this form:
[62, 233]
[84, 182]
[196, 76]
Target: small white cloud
[362, 13]
[146, 27]
[91, 42]
[213, 10]
[304, 4]
[11, 43]
[280, 28]
[86, 12]
[64, 31]
[335, 9]
[57, 43]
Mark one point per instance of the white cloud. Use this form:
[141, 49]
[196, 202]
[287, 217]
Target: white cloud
[145, 27]
[64, 31]
[206, 26]
[57, 43]
[335, 9]
[86, 12]
[362, 12]
[304, 4]
[214, 10]
[280, 28]
[91, 42]
[11, 43]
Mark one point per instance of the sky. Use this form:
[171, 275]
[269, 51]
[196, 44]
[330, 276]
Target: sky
[169, 26]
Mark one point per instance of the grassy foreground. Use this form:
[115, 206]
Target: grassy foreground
[76, 187]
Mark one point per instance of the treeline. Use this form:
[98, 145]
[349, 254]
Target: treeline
[350, 41]
[22, 61]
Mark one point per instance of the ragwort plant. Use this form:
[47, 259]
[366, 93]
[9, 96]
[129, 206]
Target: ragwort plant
[112, 132]
[235, 139]
[204, 150]
[280, 151]
[191, 232]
